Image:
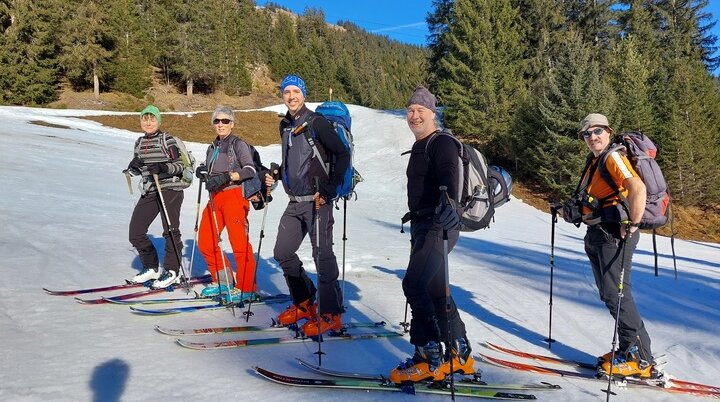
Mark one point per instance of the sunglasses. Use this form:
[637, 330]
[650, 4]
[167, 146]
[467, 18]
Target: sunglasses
[588, 133]
[223, 121]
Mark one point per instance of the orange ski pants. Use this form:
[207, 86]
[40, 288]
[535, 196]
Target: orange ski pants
[231, 211]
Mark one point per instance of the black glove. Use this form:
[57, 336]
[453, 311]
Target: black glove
[216, 182]
[201, 172]
[446, 216]
[327, 190]
[274, 171]
[135, 164]
[157, 168]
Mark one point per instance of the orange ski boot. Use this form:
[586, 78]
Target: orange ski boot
[328, 322]
[294, 313]
[424, 365]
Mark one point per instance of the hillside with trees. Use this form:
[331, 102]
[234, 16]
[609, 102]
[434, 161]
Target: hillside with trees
[198, 47]
[517, 76]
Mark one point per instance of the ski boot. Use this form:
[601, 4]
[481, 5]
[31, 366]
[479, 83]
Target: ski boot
[424, 365]
[628, 364]
[168, 278]
[148, 274]
[294, 313]
[462, 362]
[327, 322]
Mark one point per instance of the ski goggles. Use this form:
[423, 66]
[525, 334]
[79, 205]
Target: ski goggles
[223, 121]
[595, 131]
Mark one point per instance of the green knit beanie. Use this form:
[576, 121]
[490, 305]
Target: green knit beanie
[153, 110]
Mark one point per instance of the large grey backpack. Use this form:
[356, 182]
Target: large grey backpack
[481, 188]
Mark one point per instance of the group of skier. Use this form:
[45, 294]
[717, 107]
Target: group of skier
[234, 180]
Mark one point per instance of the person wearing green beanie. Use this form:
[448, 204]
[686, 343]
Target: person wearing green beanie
[157, 153]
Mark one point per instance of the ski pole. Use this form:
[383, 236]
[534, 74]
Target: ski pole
[169, 228]
[317, 266]
[342, 290]
[222, 254]
[265, 200]
[197, 219]
[553, 213]
[450, 343]
[405, 324]
[621, 287]
[129, 181]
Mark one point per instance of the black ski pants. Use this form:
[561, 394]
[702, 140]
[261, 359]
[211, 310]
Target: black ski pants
[297, 221]
[608, 256]
[145, 212]
[424, 285]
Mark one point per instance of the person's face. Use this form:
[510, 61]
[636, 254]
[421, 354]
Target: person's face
[421, 120]
[148, 124]
[597, 139]
[223, 125]
[293, 99]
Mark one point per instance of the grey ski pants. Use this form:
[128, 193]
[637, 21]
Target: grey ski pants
[296, 222]
[608, 258]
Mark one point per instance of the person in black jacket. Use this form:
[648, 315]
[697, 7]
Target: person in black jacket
[309, 141]
[434, 162]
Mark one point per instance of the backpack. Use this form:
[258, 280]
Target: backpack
[186, 157]
[641, 152]
[339, 116]
[482, 188]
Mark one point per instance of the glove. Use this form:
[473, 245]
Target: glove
[157, 168]
[216, 182]
[446, 216]
[201, 172]
[135, 164]
[327, 190]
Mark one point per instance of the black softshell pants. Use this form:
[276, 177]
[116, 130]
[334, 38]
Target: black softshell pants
[424, 285]
[297, 221]
[607, 258]
[145, 212]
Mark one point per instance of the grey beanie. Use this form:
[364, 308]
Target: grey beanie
[421, 96]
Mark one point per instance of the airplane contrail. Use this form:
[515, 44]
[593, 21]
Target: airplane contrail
[415, 24]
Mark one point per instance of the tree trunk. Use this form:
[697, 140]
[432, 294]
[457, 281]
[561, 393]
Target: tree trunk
[189, 87]
[96, 84]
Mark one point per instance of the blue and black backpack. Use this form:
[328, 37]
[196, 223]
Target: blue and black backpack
[339, 116]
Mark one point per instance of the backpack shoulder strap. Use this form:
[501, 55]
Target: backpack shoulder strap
[432, 138]
[602, 167]
[309, 135]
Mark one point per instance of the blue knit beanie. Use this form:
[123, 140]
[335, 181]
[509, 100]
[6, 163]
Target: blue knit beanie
[292, 79]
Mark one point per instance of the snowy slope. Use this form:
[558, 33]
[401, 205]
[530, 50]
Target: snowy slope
[64, 213]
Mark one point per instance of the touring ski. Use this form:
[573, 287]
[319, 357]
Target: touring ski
[467, 381]
[250, 328]
[142, 293]
[674, 382]
[281, 298]
[383, 385]
[239, 343]
[663, 384]
[101, 289]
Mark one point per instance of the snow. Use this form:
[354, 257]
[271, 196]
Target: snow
[64, 214]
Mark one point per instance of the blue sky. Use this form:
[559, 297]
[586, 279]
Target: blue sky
[401, 20]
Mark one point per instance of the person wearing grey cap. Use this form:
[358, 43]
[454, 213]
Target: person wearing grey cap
[228, 172]
[610, 242]
[156, 153]
[434, 162]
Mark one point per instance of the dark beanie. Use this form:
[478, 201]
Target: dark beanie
[421, 96]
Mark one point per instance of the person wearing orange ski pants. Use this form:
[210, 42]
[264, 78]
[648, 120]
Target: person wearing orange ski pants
[231, 210]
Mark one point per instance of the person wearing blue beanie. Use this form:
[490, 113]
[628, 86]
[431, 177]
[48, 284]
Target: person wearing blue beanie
[295, 80]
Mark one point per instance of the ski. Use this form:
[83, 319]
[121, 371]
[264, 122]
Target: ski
[250, 328]
[146, 292]
[551, 359]
[75, 292]
[658, 384]
[281, 298]
[674, 382]
[239, 343]
[370, 385]
[469, 381]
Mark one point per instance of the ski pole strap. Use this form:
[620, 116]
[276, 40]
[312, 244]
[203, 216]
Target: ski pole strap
[421, 214]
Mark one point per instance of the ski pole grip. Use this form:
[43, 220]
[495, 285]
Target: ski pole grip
[443, 195]
[317, 190]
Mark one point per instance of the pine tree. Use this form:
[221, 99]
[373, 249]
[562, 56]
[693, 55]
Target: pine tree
[87, 44]
[480, 80]
[28, 52]
[130, 69]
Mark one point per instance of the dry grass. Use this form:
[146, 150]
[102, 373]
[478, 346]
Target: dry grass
[257, 128]
[46, 124]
